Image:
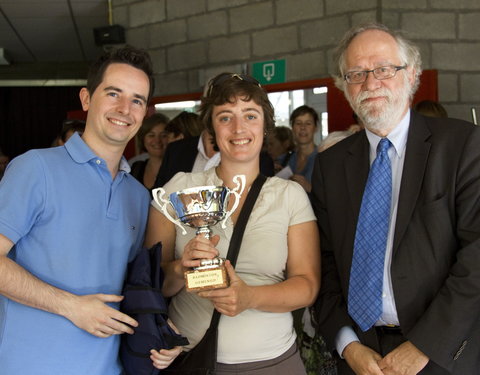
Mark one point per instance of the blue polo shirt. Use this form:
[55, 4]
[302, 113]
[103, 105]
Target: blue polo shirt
[74, 228]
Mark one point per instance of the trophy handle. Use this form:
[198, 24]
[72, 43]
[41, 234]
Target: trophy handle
[163, 203]
[237, 191]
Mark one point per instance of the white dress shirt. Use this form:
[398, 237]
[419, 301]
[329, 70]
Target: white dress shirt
[398, 138]
[202, 161]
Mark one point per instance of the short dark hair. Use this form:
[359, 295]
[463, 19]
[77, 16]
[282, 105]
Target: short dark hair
[430, 108]
[284, 134]
[138, 58]
[224, 87]
[186, 123]
[74, 125]
[148, 124]
[300, 111]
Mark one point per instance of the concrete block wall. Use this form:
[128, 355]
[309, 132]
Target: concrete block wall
[191, 40]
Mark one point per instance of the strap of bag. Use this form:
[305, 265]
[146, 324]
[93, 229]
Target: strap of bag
[238, 230]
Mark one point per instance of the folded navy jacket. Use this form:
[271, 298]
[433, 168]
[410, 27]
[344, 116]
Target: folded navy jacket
[144, 302]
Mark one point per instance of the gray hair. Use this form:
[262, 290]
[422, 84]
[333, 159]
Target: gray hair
[408, 51]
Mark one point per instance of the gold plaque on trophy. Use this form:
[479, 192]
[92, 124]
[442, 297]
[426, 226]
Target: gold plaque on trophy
[211, 274]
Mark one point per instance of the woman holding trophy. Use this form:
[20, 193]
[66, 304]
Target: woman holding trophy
[278, 266]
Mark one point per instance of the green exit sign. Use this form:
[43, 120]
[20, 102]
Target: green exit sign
[268, 72]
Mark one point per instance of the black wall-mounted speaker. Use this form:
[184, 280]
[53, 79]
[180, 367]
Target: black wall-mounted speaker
[114, 34]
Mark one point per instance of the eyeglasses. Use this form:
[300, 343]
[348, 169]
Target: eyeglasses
[382, 72]
[218, 80]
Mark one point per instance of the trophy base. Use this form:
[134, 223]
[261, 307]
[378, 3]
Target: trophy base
[207, 279]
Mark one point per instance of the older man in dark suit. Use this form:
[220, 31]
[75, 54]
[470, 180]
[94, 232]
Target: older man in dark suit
[400, 226]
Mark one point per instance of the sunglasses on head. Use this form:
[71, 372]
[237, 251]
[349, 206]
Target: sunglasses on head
[217, 81]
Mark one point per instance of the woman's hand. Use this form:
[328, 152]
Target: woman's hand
[199, 248]
[164, 357]
[233, 300]
[300, 288]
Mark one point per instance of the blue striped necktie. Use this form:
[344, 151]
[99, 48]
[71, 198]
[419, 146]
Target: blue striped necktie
[366, 273]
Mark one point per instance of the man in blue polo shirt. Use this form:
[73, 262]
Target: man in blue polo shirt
[71, 218]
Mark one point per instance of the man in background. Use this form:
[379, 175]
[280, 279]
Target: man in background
[193, 154]
[69, 127]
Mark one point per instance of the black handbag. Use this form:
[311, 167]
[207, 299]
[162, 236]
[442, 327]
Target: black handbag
[202, 359]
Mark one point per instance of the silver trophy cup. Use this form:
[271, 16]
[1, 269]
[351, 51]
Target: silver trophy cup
[202, 207]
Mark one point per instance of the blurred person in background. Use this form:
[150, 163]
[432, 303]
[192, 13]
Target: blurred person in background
[4, 159]
[304, 121]
[184, 125]
[431, 108]
[280, 146]
[69, 127]
[192, 154]
[333, 138]
[151, 139]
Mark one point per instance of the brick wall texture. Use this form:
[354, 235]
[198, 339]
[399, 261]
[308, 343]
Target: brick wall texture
[191, 40]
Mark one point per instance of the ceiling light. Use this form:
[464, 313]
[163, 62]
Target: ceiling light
[320, 90]
[176, 105]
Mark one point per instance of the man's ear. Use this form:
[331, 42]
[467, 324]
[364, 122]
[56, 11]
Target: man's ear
[412, 73]
[84, 98]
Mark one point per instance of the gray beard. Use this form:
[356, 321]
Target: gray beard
[385, 116]
[383, 119]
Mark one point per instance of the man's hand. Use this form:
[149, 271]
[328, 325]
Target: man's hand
[403, 360]
[361, 359]
[92, 314]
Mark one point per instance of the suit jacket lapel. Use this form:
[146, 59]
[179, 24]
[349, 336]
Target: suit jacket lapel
[357, 166]
[416, 156]
[190, 153]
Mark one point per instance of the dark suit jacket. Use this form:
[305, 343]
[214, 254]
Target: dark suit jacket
[435, 267]
[180, 157]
